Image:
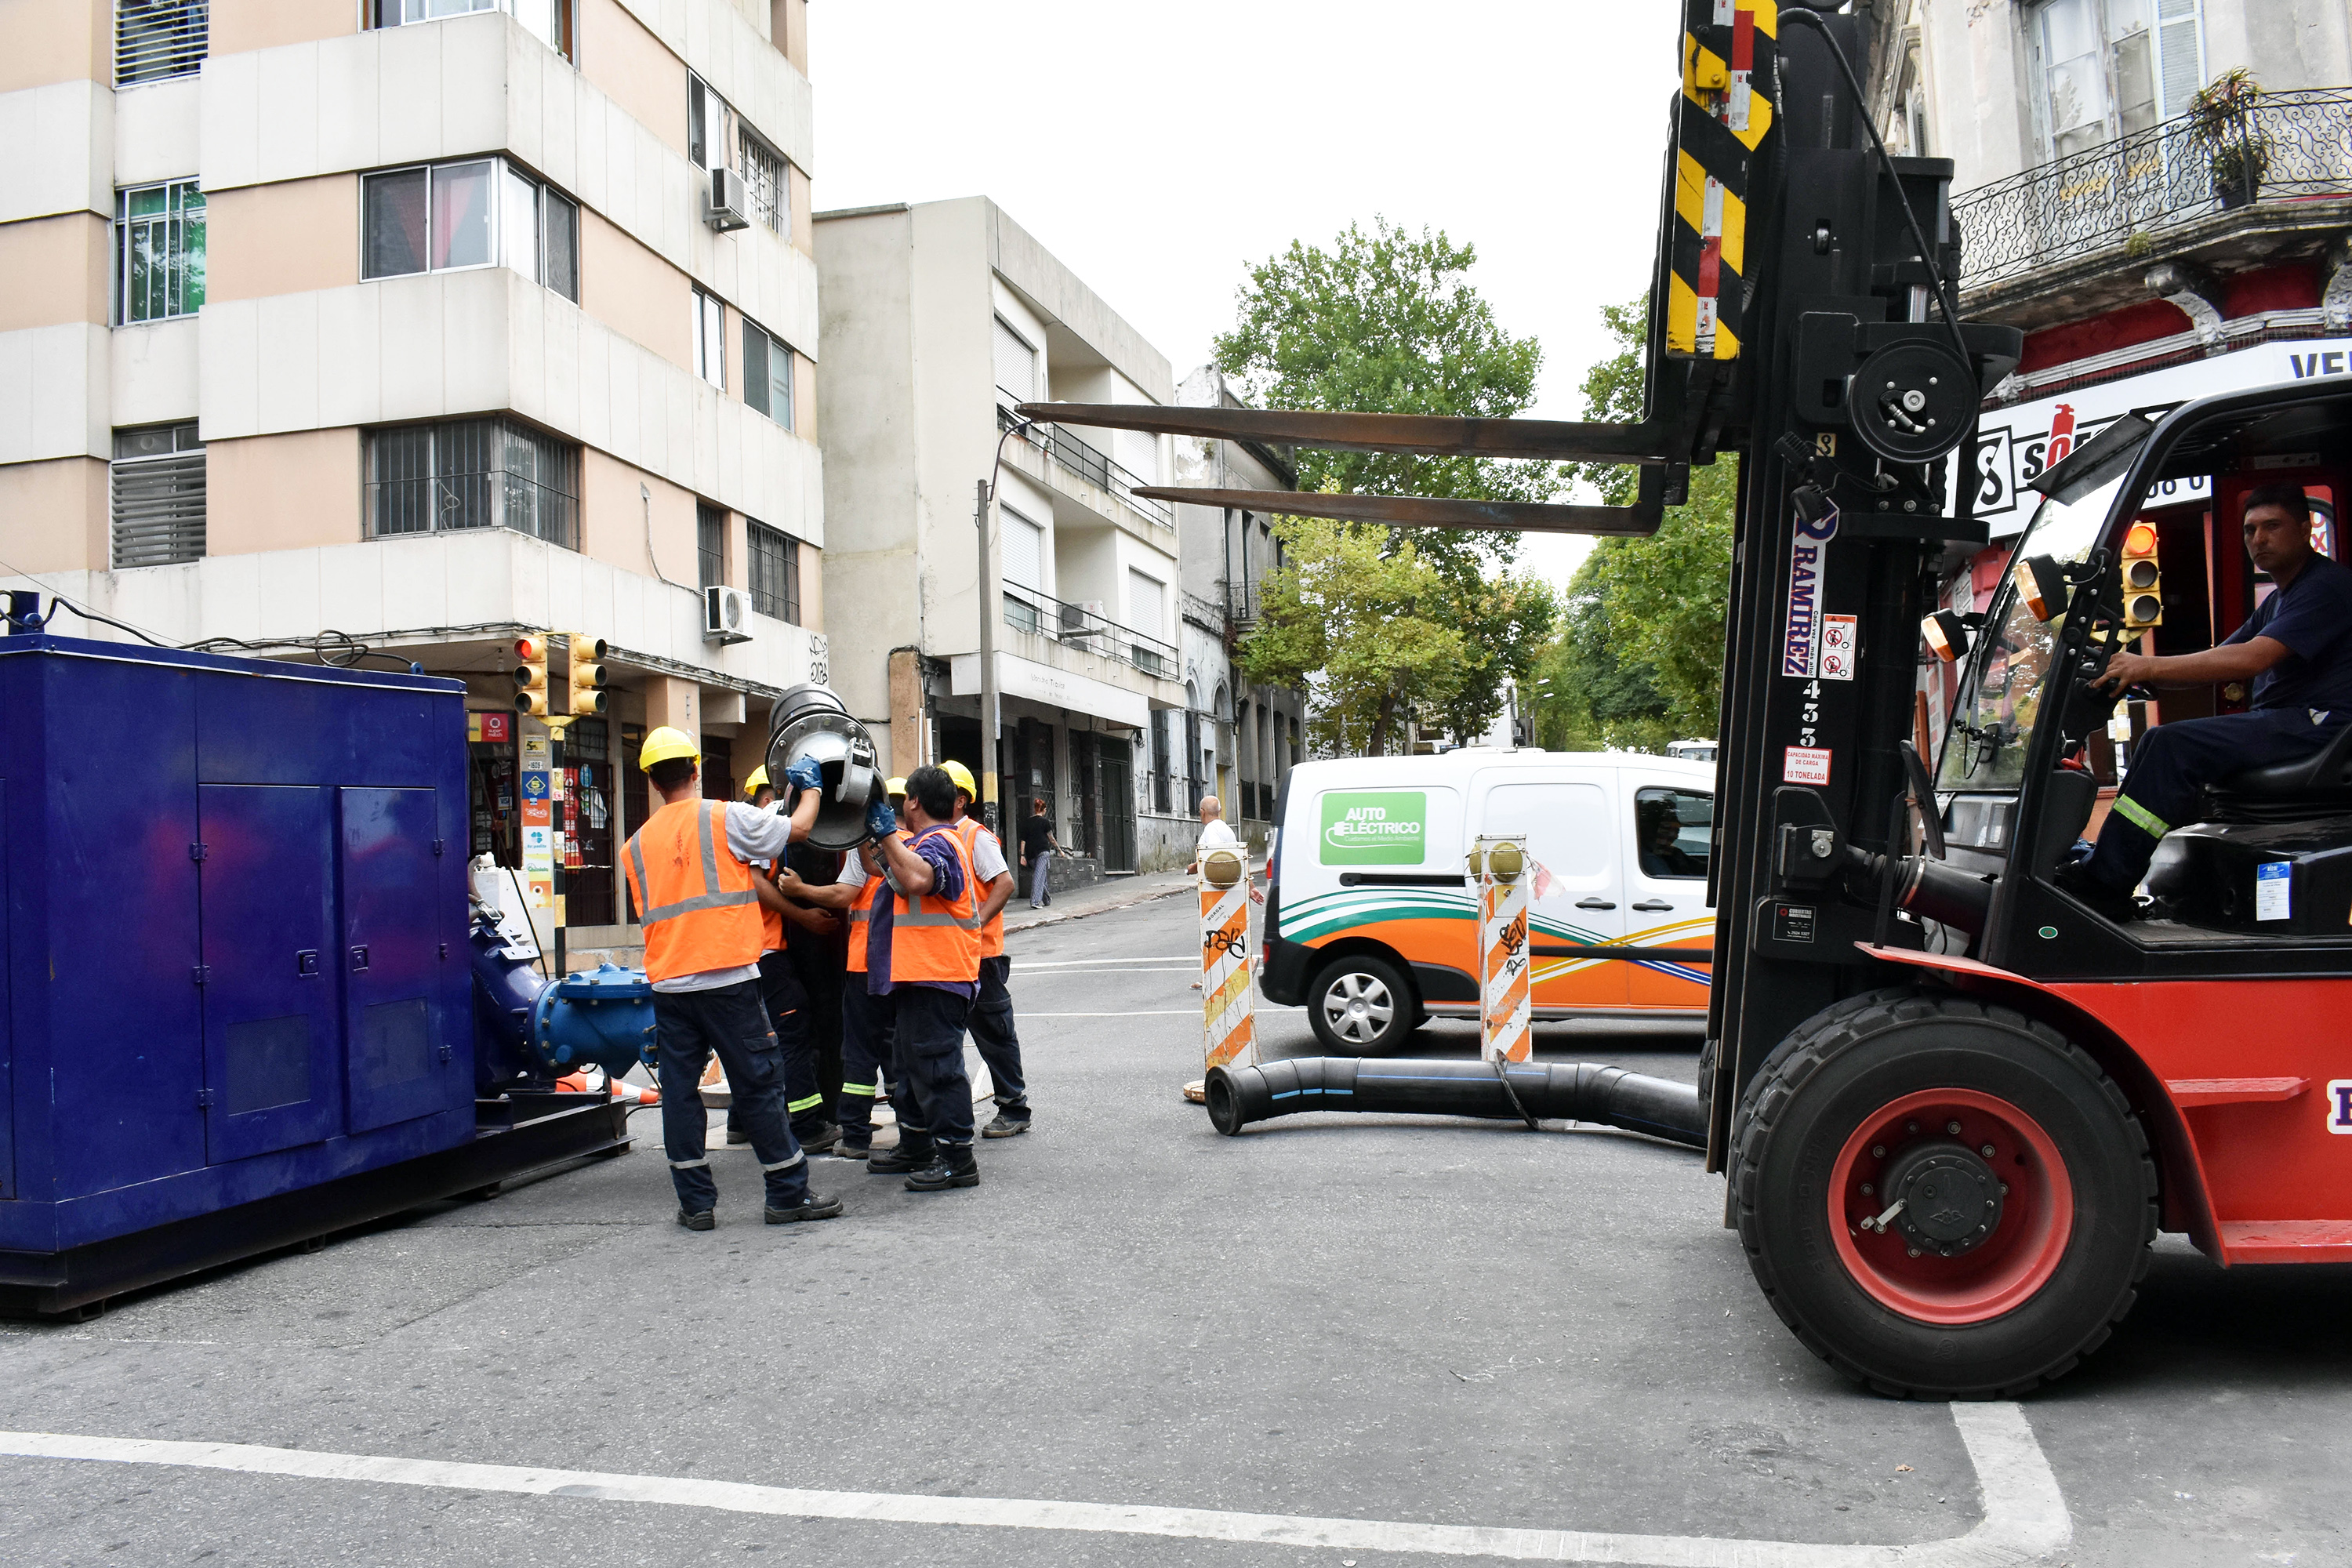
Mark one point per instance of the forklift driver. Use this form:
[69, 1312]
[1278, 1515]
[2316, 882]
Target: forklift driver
[2296, 651]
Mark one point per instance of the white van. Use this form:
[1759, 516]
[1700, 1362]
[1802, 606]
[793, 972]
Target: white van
[1371, 923]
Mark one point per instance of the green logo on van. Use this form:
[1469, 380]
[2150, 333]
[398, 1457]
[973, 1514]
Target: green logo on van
[1374, 827]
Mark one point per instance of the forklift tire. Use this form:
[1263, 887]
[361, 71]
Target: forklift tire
[1361, 1006]
[1854, 1110]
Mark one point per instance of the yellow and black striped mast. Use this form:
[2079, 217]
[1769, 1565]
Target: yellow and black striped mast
[1721, 119]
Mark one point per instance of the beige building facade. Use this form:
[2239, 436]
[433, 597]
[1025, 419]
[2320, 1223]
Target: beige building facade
[428, 323]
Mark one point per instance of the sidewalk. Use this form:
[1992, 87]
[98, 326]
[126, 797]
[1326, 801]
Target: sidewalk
[1116, 893]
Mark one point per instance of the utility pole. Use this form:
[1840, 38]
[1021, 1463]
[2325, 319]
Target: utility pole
[988, 716]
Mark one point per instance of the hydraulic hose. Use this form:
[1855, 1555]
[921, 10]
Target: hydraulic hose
[1569, 1091]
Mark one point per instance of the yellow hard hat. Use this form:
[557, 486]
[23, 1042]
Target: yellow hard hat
[756, 783]
[962, 777]
[663, 743]
[896, 789]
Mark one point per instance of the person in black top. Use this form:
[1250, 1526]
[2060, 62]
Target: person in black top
[1662, 855]
[2295, 649]
[1038, 848]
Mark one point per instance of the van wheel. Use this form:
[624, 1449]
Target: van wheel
[1361, 1007]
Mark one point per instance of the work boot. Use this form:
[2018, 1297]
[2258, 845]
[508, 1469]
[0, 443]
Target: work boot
[822, 1139]
[2074, 878]
[952, 1167]
[816, 1205]
[703, 1221]
[1007, 1124]
[852, 1147]
[913, 1153]
[737, 1135]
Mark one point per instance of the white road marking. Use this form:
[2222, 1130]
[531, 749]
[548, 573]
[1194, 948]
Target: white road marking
[1192, 959]
[1123, 1013]
[2025, 1516]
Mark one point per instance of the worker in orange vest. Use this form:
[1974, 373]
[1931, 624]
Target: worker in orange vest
[868, 1022]
[806, 1101]
[991, 1010]
[698, 900]
[922, 951]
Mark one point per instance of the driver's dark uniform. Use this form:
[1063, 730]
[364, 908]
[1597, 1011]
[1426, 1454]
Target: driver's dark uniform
[2299, 703]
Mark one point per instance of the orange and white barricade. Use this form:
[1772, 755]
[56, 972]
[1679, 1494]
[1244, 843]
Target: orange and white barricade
[1503, 1032]
[1228, 979]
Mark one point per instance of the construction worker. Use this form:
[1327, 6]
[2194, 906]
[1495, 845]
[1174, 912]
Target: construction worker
[922, 952]
[991, 1010]
[787, 1003]
[869, 1024]
[697, 896]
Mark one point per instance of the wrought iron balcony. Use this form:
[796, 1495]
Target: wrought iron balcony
[2127, 192]
[1075, 626]
[1090, 464]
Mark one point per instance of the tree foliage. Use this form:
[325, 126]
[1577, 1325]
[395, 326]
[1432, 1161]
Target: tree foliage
[1387, 321]
[1640, 661]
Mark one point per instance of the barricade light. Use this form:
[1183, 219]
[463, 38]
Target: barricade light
[2041, 586]
[531, 675]
[2143, 579]
[588, 694]
[1947, 634]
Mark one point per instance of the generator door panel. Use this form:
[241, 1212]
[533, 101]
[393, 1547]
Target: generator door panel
[390, 955]
[1578, 898]
[8, 1039]
[272, 1039]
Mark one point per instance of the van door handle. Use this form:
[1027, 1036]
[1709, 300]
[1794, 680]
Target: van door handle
[1594, 904]
[1651, 906]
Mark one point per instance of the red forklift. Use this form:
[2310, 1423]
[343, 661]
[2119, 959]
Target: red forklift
[1954, 1105]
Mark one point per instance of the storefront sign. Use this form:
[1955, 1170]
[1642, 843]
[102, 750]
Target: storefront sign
[2015, 445]
[1017, 677]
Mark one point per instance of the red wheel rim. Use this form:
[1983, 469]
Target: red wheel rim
[2036, 1221]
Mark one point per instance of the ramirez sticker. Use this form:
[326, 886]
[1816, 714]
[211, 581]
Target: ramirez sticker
[1806, 765]
[2339, 1105]
[1374, 827]
[1801, 625]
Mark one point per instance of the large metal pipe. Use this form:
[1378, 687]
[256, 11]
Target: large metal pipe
[1571, 1091]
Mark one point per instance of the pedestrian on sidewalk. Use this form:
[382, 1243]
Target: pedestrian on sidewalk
[992, 1025]
[922, 952]
[691, 881]
[1038, 848]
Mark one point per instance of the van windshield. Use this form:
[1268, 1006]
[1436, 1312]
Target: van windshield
[1993, 717]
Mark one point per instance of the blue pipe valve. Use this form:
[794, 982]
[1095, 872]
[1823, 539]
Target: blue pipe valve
[602, 1017]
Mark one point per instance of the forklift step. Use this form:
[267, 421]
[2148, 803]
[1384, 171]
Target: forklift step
[2193, 1092]
[2287, 1241]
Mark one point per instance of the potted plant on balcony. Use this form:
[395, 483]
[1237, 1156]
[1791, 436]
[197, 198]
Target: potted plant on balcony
[2221, 123]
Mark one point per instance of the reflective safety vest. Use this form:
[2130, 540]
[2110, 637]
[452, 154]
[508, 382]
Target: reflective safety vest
[992, 935]
[861, 912]
[933, 937]
[772, 924]
[693, 896]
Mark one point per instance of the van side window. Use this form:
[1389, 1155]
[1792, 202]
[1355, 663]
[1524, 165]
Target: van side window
[1676, 830]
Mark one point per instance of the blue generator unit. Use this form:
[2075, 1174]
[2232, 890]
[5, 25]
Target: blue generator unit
[236, 995]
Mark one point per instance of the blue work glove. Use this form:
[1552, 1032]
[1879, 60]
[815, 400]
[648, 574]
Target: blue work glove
[806, 772]
[881, 822]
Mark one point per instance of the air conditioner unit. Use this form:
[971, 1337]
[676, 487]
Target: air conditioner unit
[730, 203]
[726, 616]
[1082, 625]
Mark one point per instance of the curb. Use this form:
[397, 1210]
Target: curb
[1153, 897]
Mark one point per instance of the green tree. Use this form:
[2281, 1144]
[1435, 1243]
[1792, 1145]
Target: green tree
[1643, 642]
[1387, 321]
[1365, 618]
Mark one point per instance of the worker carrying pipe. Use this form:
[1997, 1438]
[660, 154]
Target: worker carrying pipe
[696, 892]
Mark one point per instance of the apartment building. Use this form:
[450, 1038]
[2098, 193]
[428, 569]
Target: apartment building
[2157, 237]
[1235, 740]
[427, 323]
[939, 318]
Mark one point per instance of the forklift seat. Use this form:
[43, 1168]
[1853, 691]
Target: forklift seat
[2317, 785]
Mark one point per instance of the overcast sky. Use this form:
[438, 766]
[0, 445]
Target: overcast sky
[1158, 150]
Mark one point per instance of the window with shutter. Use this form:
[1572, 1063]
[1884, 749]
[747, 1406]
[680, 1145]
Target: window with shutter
[1020, 551]
[2179, 53]
[709, 544]
[775, 571]
[1016, 365]
[1137, 451]
[158, 497]
[157, 40]
[463, 474]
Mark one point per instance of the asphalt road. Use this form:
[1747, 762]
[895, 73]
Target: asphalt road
[1394, 1319]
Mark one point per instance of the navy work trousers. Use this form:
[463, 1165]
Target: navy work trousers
[690, 1026]
[999, 1043]
[2172, 763]
[788, 1013]
[931, 1078]
[868, 1063]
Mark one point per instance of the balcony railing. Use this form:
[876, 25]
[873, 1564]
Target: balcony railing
[1090, 464]
[2162, 178]
[1075, 626]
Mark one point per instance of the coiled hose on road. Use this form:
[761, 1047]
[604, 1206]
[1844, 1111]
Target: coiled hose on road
[1570, 1091]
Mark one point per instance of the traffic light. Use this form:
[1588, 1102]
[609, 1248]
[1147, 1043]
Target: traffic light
[2143, 580]
[588, 695]
[531, 675]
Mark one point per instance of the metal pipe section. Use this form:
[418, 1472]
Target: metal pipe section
[1569, 1091]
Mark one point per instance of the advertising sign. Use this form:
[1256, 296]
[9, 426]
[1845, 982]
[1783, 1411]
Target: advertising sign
[1374, 827]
